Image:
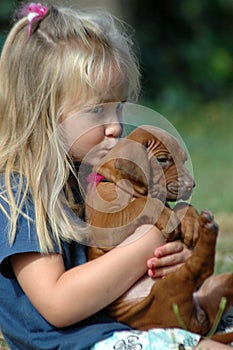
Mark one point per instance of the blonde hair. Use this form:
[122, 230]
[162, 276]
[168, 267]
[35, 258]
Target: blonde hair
[67, 54]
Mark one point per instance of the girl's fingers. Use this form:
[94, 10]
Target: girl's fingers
[163, 271]
[165, 261]
[168, 248]
[168, 258]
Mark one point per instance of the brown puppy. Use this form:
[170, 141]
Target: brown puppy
[145, 170]
[153, 162]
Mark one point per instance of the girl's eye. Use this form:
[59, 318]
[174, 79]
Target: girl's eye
[97, 109]
[120, 106]
[119, 109]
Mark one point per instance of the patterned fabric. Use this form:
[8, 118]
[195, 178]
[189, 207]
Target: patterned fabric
[155, 339]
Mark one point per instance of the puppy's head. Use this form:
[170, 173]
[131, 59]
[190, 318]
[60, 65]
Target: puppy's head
[153, 161]
[163, 148]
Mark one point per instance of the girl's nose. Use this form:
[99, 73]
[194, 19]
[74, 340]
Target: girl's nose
[113, 129]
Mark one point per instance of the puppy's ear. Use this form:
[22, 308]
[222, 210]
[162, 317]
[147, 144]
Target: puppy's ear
[127, 160]
[136, 174]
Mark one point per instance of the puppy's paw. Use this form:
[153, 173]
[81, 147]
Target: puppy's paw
[207, 222]
[190, 223]
[169, 225]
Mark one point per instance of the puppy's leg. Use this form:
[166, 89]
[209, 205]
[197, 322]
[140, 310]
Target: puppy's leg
[189, 219]
[156, 310]
[210, 293]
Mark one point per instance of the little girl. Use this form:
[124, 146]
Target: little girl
[59, 67]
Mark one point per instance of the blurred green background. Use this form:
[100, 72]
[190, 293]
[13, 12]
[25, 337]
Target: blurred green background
[185, 49]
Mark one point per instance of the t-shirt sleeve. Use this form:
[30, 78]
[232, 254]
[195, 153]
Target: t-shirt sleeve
[26, 238]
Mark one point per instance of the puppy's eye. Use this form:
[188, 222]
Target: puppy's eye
[163, 160]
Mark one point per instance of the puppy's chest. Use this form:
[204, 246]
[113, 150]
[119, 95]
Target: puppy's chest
[109, 196]
[140, 289]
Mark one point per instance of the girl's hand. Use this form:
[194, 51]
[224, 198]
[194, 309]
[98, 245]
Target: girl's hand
[167, 258]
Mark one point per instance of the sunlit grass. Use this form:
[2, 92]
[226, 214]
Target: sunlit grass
[224, 251]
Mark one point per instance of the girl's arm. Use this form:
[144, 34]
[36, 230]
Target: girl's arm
[66, 297]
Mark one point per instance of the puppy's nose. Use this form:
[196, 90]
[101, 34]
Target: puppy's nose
[190, 184]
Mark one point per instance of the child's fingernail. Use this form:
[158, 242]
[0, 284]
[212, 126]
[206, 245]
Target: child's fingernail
[158, 253]
[149, 264]
[153, 273]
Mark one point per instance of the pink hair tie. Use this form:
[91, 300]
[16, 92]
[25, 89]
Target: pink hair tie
[35, 13]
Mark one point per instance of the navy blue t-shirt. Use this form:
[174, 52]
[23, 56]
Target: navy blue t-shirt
[21, 324]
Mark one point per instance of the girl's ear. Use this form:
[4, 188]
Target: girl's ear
[127, 160]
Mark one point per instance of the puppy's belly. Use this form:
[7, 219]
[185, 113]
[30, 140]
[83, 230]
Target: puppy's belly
[140, 289]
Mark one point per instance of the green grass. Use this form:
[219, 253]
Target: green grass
[213, 168]
[224, 252]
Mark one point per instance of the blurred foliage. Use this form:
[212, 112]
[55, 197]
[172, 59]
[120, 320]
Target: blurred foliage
[6, 10]
[185, 47]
